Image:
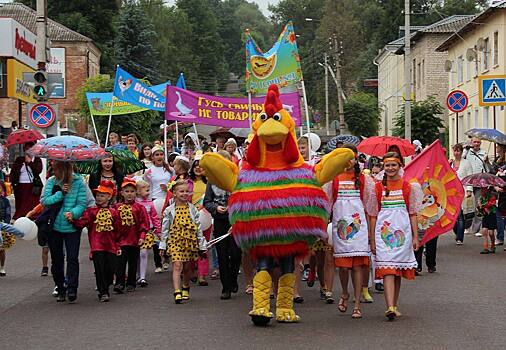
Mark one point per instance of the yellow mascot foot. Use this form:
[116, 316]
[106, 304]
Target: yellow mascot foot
[260, 314]
[284, 302]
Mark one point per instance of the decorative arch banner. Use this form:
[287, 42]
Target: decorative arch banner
[231, 112]
[280, 65]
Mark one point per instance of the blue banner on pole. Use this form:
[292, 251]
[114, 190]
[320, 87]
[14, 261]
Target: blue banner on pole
[131, 90]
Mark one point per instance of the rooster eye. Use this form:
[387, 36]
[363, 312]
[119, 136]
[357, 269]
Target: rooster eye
[277, 117]
[263, 116]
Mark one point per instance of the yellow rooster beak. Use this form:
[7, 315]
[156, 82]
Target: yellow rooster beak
[272, 132]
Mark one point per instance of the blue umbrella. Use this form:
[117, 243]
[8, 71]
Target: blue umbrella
[491, 135]
[332, 144]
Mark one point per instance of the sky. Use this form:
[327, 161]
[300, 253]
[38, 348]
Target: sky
[263, 4]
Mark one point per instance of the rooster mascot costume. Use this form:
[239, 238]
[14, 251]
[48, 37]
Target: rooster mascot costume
[277, 207]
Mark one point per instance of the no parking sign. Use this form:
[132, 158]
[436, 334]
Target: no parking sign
[457, 101]
[42, 115]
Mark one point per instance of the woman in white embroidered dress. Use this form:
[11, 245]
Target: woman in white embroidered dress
[396, 230]
[352, 200]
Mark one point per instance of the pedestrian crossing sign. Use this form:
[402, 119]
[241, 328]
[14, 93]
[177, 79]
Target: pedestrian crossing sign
[492, 90]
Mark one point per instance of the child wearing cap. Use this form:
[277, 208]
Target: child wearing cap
[102, 222]
[133, 226]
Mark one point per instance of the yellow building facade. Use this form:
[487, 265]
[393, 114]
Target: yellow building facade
[477, 49]
[428, 77]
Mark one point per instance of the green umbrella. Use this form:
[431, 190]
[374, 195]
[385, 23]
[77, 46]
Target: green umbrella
[124, 160]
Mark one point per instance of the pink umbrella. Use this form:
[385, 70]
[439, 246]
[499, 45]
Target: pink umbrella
[483, 180]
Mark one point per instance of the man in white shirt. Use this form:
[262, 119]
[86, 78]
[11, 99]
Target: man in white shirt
[477, 158]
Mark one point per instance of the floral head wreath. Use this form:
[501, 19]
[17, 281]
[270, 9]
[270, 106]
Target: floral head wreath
[174, 183]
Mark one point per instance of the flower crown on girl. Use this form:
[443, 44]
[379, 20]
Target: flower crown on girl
[175, 183]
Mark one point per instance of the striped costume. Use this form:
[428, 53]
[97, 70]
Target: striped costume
[278, 213]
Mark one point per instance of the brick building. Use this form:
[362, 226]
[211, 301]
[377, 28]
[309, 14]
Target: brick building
[73, 54]
[428, 76]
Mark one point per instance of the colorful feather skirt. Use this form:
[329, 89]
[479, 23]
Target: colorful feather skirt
[278, 213]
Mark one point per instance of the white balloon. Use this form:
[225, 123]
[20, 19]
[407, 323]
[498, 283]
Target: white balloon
[316, 142]
[206, 220]
[28, 227]
[159, 202]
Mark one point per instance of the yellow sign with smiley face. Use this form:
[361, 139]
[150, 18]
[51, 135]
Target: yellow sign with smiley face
[263, 66]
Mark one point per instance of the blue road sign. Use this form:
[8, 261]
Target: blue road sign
[492, 90]
[42, 115]
[457, 101]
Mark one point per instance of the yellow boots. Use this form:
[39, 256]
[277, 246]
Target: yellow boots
[284, 302]
[262, 283]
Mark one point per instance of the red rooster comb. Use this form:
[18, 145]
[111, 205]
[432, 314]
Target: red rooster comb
[272, 102]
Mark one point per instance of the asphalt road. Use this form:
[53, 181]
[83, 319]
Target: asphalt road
[461, 306]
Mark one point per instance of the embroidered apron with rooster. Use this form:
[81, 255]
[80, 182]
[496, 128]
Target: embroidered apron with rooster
[393, 234]
[349, 226]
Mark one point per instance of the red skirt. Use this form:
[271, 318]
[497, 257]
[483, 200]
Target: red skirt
[24, 200]
[408, 274]
[352, 261]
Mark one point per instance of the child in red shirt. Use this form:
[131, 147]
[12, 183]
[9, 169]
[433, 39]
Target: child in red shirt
[102, 223]
[134, 224]
[487, 208]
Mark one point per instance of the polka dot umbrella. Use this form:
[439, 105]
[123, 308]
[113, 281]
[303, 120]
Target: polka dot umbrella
[67, 149]
[22, 136]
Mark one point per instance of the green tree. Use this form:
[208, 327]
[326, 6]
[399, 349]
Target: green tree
[235, 16]
[174, 52]
[207, 46]
[139, 123]
[425, 121]
[134, 42]
[94, 19]
[361, 114]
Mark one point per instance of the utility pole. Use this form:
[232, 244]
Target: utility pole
[41, 21]
[407, 72]
[342, 124]
[325, 57]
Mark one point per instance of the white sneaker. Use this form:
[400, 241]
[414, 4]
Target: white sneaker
[2, 272]
[55, 291]
[459, 243]
[478, 234]
[498, 242]
[158, 270]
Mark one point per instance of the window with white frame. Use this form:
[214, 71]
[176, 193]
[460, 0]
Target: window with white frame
[460, 129]
[468, 120]
[485, 117]
[476, 117]
[485, 55]
[476, 62]
[419, 73]
[468, 70]
[460, 69]
[414, 73]
[496, 49]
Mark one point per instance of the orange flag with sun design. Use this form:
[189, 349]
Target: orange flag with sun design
[442, 189]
